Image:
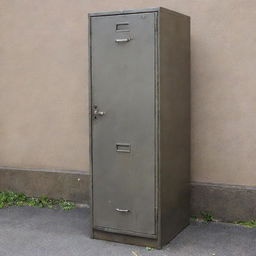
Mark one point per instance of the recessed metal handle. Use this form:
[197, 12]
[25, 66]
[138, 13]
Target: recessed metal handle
[122, 210]
[123, 147]
[122, 40]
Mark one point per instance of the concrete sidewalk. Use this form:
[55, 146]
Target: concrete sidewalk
[27, 231]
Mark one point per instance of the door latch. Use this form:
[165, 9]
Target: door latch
[96, 112]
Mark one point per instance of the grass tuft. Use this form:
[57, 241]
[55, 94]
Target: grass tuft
[206, 216]
[248, 224]
[10, 198]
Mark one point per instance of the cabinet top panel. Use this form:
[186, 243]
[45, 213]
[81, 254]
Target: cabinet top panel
[121, 12]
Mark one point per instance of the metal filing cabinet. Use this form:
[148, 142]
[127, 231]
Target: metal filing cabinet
[140, 125]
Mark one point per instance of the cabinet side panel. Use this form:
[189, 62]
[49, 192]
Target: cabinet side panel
[174, 123]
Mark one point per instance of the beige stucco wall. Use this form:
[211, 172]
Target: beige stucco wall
[43, 83]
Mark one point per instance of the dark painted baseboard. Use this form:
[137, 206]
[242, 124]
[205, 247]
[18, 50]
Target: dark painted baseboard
[57, 184]
[225, 202]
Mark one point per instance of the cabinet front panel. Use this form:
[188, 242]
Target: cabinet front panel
[123, 123]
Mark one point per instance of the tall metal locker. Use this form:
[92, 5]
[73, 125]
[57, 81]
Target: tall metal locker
[140, 125]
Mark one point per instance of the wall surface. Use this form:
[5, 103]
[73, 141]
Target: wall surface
[43, 82]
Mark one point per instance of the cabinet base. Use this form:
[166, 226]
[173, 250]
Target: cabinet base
[126, 239]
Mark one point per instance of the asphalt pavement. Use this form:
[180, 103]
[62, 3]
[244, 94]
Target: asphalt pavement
[28, 231]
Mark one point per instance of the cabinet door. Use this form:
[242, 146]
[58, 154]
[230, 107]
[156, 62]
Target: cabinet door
[123, 123]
